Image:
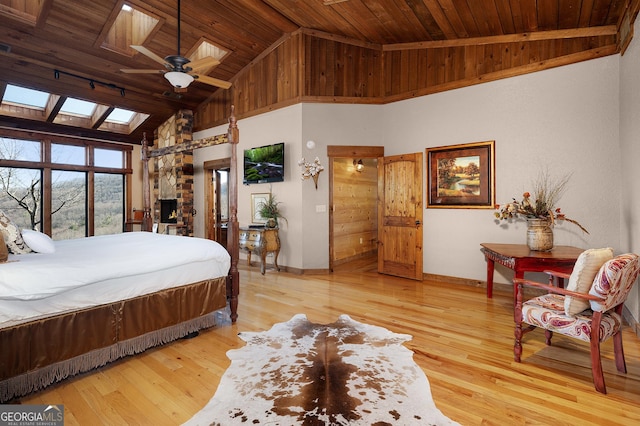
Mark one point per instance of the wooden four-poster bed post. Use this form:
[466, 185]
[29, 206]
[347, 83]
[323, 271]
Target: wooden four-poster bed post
[147, 221]
[233, 279]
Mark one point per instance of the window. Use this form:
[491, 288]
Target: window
[32, 104]
[107, 158]
[57, 197]
[23, 96]
[67, 154]
[120, 116]
[108, 202]
[68, 205]
[12, 149]
[21, 196]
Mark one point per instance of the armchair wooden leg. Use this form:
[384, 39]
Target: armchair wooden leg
[596, 367]
[517, 317]
[618, 352]
[548, 334]
[517, 346]
[596, 362]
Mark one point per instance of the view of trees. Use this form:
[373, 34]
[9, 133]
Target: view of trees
[458, 176]
[21, 196]
[21, 189]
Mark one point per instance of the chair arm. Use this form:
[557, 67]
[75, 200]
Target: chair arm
[557, 290]
[558, 274]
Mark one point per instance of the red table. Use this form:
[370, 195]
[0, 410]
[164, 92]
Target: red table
[521, 259]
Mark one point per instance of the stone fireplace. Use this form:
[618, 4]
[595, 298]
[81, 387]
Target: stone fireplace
[173, 176]
[168, 211]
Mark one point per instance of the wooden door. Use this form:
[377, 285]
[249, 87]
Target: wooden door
[400, 215]
[216, 175]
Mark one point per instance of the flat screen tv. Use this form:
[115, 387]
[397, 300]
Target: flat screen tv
[264, 164]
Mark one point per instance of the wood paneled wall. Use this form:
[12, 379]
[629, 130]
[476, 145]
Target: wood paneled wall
[355, 227]
[311, 67]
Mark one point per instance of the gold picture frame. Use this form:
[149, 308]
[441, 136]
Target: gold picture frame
[461, 176]
[256, 200]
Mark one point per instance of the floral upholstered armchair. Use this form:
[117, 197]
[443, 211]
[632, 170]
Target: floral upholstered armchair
[589, 308]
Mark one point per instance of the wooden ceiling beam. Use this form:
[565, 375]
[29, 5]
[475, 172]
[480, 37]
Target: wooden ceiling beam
[507, 38]
[54, 104]
[101, 113]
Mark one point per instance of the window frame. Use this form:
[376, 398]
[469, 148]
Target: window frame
[47, 166]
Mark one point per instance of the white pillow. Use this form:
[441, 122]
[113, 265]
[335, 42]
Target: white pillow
[582, 276]
[38, 242]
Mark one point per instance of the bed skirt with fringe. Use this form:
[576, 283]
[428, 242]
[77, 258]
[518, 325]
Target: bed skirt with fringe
[41, 352]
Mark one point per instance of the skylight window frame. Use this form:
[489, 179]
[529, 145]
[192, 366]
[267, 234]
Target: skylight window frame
[50, 113]
[25, 105]
[116, 18]
[75, 113]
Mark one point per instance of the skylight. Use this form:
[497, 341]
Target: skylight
[120, 116]
[131, 26]
[78, 107]
[28, 97]
[33, 104]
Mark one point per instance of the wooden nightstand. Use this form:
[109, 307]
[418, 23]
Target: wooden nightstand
[260, 241]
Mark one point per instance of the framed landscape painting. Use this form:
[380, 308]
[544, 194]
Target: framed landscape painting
[461, 176]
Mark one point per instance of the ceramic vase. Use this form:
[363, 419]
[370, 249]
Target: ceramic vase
[539, 234]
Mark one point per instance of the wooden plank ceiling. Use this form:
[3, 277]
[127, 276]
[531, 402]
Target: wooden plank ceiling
[68, 35]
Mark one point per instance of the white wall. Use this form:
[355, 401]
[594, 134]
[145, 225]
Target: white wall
[283, 125]
[630, 146]
[305, 235]
[570, 119]
[329, 124]
[565, 119]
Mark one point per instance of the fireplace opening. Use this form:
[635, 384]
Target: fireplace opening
[168, 211]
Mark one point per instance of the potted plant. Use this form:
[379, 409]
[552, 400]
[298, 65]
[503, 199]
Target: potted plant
[270, 210]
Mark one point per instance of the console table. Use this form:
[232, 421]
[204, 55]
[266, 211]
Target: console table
[260, 241]
[520, 258]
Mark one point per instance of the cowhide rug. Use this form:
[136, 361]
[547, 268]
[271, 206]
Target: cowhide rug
[301, 373]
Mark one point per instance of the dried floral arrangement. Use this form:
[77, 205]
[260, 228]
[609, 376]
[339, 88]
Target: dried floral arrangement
[542, 205]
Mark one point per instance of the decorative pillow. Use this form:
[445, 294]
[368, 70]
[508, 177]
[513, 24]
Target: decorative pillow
[38, 242]
[614, 280]
[4, 252]
[582, 276]
[12, 237]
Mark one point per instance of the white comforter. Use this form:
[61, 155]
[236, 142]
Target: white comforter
[91, 271]
[90, 261]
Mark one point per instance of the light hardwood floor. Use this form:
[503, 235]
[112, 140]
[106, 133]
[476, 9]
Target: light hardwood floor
[462, 340]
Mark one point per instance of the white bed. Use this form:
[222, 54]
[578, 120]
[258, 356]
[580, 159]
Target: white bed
[87, 272]
[117, 296]
[97, 299]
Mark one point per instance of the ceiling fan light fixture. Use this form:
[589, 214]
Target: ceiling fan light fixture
[179, 79]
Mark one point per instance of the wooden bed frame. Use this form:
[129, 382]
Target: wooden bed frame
[41, 352]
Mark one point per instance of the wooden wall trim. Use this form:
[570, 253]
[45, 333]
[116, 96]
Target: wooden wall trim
[507, 38]
[340, 39]
[355, 151]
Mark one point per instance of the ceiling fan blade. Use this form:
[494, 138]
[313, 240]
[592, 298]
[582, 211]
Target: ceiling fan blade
[203, 63]
[149, 54]
[141, 71]
[213, 81]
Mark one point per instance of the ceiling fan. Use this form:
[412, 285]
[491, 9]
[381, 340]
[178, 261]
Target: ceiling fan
[180, 71]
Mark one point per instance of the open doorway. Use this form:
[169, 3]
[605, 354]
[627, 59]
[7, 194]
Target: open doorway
[216, 177]
[353, 190]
